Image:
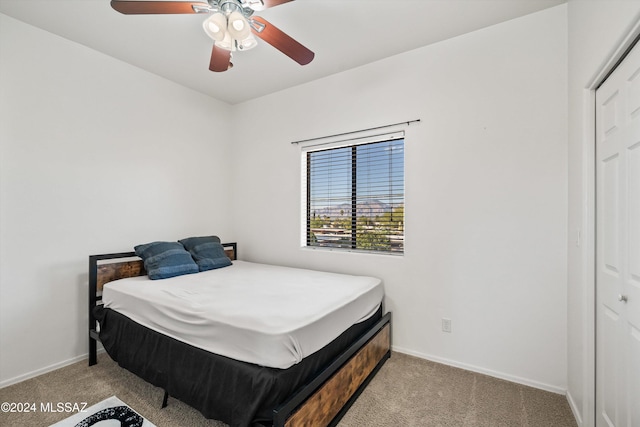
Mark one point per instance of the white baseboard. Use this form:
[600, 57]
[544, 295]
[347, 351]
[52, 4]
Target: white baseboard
[489, 372]
[46, 369]
[574, 408]
[472, 368]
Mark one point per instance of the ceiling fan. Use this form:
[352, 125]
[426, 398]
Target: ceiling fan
[230, 24]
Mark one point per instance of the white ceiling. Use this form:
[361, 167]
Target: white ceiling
[344, 34]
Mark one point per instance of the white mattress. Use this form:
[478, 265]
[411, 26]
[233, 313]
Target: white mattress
[262, 314]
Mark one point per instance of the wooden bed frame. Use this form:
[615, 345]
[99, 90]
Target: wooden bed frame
[323, 401]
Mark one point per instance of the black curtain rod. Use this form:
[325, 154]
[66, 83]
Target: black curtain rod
[355, 131]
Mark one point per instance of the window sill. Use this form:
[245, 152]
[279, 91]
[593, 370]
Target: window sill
[351, 251]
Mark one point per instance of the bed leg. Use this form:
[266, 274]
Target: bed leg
[93, 359]
[165, 399]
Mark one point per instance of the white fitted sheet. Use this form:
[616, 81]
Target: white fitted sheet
[267, 315]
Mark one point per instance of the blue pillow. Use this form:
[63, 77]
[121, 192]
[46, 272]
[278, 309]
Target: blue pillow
[207, 252]
[166, 259]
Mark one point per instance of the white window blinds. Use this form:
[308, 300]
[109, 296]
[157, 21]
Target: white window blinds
[354, 196]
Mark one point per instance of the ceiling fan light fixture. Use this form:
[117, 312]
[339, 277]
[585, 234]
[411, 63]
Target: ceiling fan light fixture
[238, 26]
[248, 43]
[216, 26]
[231, 44]
[227, 42]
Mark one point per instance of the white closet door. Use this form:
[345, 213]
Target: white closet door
[618, 246]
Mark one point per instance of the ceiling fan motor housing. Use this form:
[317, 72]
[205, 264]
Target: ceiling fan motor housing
[229, 6]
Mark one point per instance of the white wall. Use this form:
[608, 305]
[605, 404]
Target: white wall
[486, 191]
[597, 28]
[95, 157]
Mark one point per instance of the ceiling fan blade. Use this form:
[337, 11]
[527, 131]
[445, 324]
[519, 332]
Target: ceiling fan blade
[220, 59]
[152, 7]
[281, 41]
[258, 5]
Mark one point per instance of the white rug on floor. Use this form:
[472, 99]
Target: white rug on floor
[110, 412]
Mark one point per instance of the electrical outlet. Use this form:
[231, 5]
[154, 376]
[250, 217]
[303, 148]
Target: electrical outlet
[446, 325]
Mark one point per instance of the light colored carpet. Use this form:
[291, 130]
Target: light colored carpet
[406, 392]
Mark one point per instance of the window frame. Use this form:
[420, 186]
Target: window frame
[306, 205]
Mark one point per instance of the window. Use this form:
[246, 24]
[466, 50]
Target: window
[354, 196]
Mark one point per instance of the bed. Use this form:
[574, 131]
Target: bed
[313, 370]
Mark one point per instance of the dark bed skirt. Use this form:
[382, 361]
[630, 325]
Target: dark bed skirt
[237, 393]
